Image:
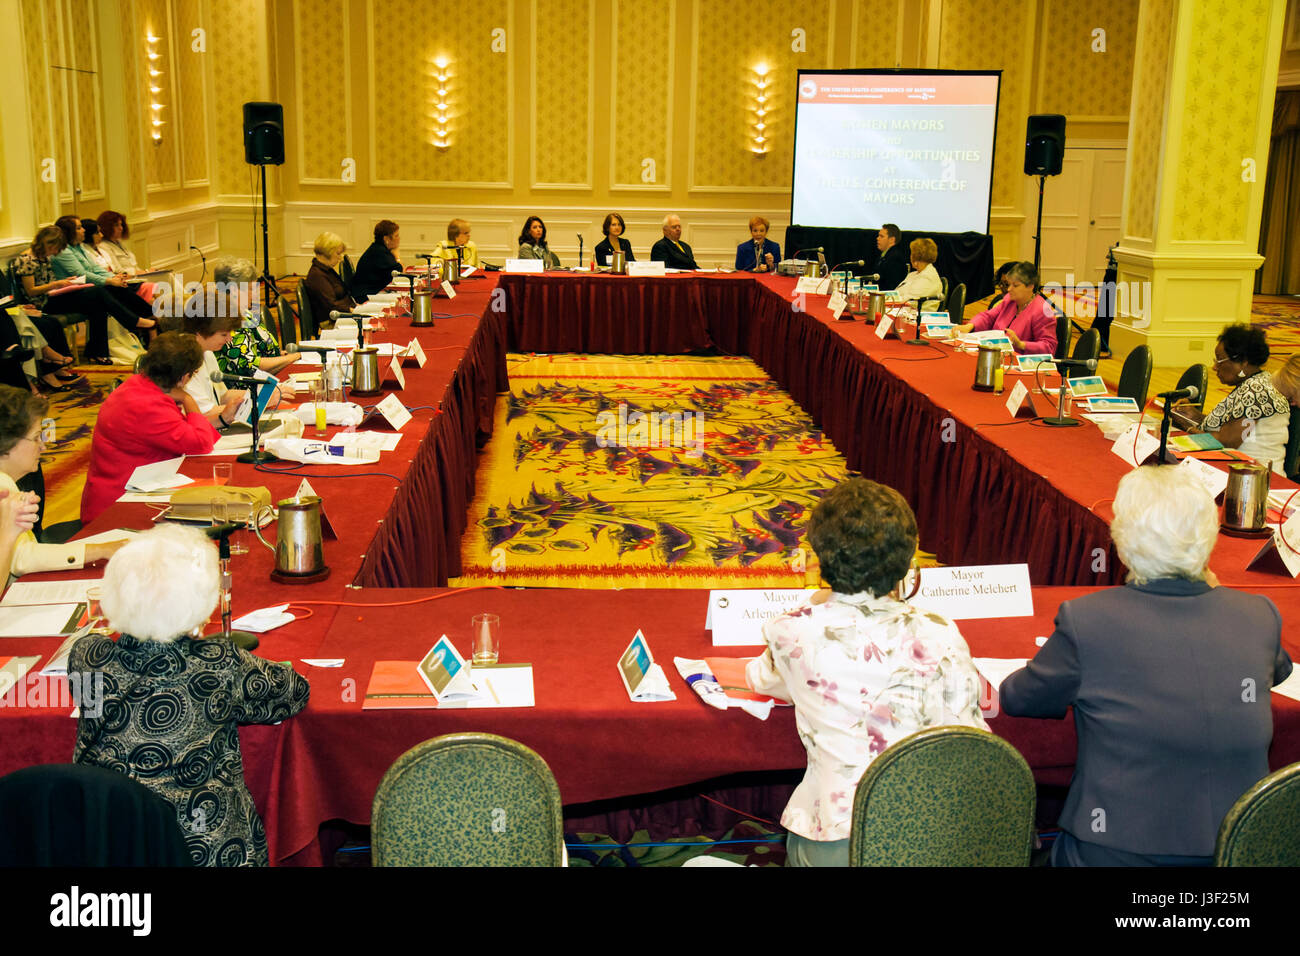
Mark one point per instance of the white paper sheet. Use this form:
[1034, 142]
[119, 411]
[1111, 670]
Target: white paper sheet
[371, 441]
[158, 475]
[49, 592]
[1291, 686]
[500, 685]
[45, 620]
[997, 669]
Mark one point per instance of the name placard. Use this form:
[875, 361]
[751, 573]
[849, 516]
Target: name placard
[524, 265]
[1215, 481]
[394, 411]
[416, 351]
[396, 368]
[837, 304]
[646, 269]
[736, 618]
[883, 325]
[811, 285]
[965, 594]
[1017, 398]
[449, 291]
[1135, 448]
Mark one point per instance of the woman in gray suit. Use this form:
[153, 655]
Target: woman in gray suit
[1169, 679]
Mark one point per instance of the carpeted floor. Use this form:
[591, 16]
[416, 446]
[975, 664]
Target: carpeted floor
[646, 471]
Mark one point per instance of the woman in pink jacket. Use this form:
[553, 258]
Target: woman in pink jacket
[149, 418]
[1022, 313]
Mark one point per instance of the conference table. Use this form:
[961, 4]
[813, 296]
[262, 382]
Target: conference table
[985, 491]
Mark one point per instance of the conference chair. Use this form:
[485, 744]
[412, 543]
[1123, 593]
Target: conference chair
[957, 303]
[69, 320]
[284, 312]
[947, 796]
[1135, 376]
[1199, 376]
[1261, 828]
[1088, 347]
[469, 799]
[1291, 460]
[346, 271]
[1063, 330]
[307, 323]
[77, 815]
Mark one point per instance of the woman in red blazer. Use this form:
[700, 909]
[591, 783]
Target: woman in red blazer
[149, 418]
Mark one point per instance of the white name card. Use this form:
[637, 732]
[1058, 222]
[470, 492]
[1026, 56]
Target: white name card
[524, 265]
[450, 292]
[394, 411]
[964, 594]
[646, 269]
[1135, 448]
[416, 351]
[396, 368]
[305, 490]
[883, 325]
[736, 618]
[1017, 398]
[935, 318]
[811, 285]
[1215, 481]
[838, 304]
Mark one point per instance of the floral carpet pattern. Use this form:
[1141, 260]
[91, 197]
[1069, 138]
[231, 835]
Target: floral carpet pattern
[646, 471]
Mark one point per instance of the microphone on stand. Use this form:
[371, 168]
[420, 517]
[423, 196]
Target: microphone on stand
[242, 381]
[254, 456]
[852, 262]
[580, 259]
[204, 260]
[299, 347]
[1060, 419]
[1191, 393]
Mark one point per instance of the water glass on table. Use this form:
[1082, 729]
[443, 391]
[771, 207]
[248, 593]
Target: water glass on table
[221, 473]
[486, 638]
[95, 611]
[221, 515]
[318, 405]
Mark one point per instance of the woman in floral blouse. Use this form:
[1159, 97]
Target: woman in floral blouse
[862, 668]
[1255, 416]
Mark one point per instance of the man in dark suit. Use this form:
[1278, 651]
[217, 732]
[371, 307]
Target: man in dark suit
[892, 263]
[670, 250]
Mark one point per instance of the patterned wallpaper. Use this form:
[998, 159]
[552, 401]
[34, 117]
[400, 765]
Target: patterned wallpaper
[132, 141]
[239, 77]
[875, 41]
[1078, 81]
[81, 20]
[479, 89]
[640, 114]
[1225, 61]
[1150, 88]
[160, 160]
[190, 119]
[37, 47]
[319, 25]
[749, 34]
[973, 36]
[561, 69]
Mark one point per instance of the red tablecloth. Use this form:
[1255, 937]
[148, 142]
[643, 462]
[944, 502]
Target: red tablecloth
[992, 494]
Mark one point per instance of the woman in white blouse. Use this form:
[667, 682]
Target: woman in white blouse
[113, 228]
[1255, 416]
[923, 282]
[862, 667]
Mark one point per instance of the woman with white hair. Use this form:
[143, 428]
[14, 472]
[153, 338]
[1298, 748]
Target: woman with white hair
[251, 346]
[171, 702]
[325, 290]
[1169, 679]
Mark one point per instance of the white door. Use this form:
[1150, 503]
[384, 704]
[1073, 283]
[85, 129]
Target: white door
[1081, 214]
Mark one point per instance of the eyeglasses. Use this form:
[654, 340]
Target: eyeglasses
[39, 440]
[1220, 361]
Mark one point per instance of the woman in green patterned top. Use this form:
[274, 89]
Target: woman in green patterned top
[251, 346]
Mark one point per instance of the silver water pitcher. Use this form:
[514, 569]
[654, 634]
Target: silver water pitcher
[618, 263]
[1245, 502]
[987, 364]
[422, 307]
[365, 371]
[298, 549]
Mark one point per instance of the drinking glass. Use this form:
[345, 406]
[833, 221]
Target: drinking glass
[221, 514]
[486, 639]
[221, 473]
[95, 612]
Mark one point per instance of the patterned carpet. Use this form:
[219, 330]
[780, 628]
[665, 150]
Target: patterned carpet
[66, 461]
[646, 471]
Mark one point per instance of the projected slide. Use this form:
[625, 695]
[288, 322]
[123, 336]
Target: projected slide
[914, 149]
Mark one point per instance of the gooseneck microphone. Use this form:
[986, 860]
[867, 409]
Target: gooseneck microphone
[221, 378]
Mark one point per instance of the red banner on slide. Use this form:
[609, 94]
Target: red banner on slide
[902, 90]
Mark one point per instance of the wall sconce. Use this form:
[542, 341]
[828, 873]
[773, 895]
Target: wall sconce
[155, 88]
[441, 114]
[759, 139]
